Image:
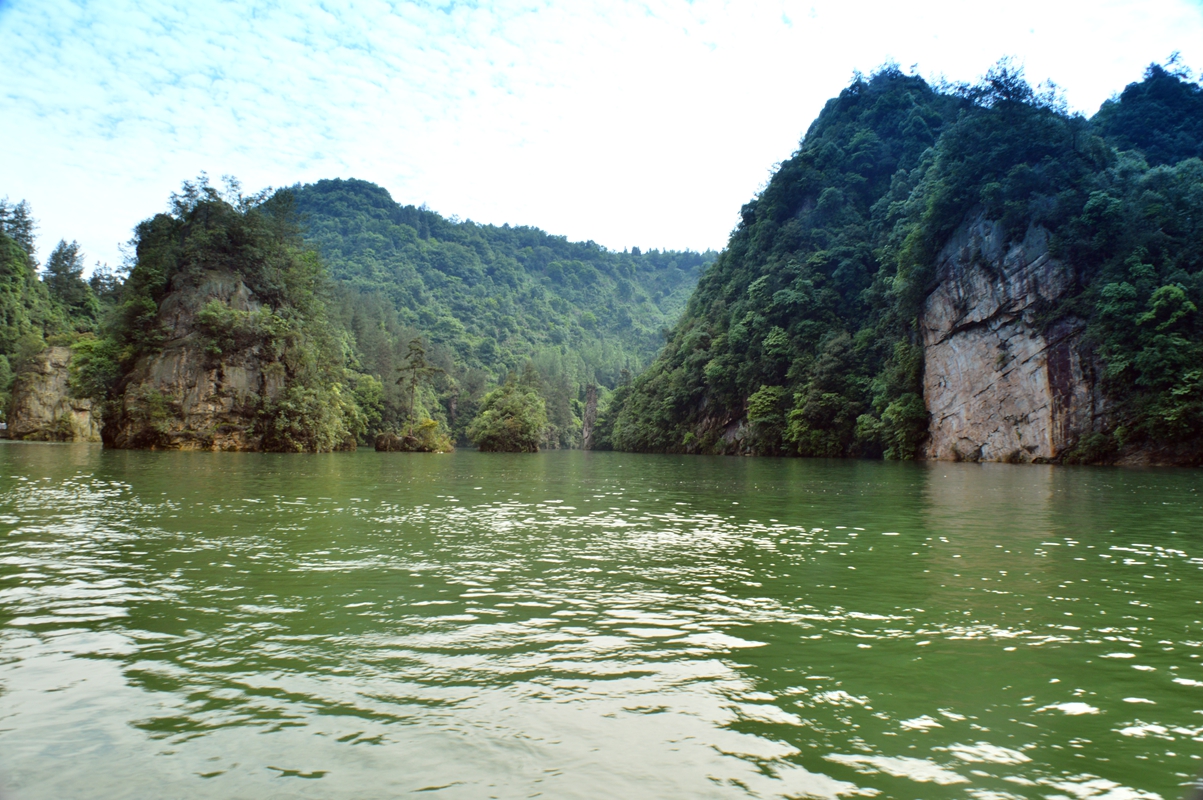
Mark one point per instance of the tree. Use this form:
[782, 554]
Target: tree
[512, 419]
[63, 276]
[104, 281]
[416, 370]
[18, 224]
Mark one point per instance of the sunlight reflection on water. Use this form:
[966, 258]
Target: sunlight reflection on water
[583, 626]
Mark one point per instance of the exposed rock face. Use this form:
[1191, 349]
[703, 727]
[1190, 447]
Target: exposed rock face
[590, 418]
[42, 407]
[186, 398]
[998, 386]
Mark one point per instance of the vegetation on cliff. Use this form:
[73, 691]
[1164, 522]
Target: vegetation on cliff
[255, 240]
[57, 306]
[801, 339]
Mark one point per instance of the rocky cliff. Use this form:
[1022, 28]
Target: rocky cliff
[998, 383]
[42, 407]
[190, 395]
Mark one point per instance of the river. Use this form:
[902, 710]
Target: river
[573, 624]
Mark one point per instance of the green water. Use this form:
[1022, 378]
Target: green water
[594, 625]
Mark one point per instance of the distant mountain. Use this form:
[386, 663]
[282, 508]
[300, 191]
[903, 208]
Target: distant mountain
[489, 299]
[231, 331]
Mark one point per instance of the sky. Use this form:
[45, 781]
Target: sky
[628, 123]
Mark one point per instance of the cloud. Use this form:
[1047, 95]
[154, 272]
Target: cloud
[629, 123]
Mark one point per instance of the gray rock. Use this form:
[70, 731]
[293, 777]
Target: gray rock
[999, 385]
[185, 398]
[42, 407]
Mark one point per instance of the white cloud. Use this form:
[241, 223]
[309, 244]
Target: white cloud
[630, 123]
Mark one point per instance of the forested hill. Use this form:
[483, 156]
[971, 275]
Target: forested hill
[496, 296]
[804, 339]
[487, 300]
[413, 317]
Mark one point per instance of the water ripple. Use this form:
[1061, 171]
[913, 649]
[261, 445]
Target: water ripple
[604, 636]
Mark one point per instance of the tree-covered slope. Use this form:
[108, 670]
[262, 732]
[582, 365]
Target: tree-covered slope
[336, 331]
[487, 300]
[793, 324]
[802, 338]
[1161, 116]
[56, 305]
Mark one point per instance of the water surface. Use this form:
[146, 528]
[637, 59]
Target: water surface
[593, 624]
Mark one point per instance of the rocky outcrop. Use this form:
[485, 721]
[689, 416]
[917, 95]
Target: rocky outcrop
[392, 443]
[998, 384]
[186, 396]
[42, 408]
[590, 418]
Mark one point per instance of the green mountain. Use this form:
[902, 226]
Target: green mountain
[230, 331]
[804, 338]
[487, 300]
[962, 271]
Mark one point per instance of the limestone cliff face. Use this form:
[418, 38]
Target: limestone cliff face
[998, 385]
[184, 397]
[42, 407]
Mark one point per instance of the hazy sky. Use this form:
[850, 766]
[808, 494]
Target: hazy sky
[629, 123]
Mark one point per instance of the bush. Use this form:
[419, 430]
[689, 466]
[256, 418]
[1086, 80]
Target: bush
[512, 419]
[308, 419]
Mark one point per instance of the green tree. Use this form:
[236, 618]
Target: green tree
[63, 275]
[512, 419]
[414, 373]
[18, 224]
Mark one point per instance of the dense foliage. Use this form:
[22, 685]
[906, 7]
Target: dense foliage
[486, 301]
[422, 317]
[56, 307]
[1162, 117]
[801, 339]
[512, 417]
